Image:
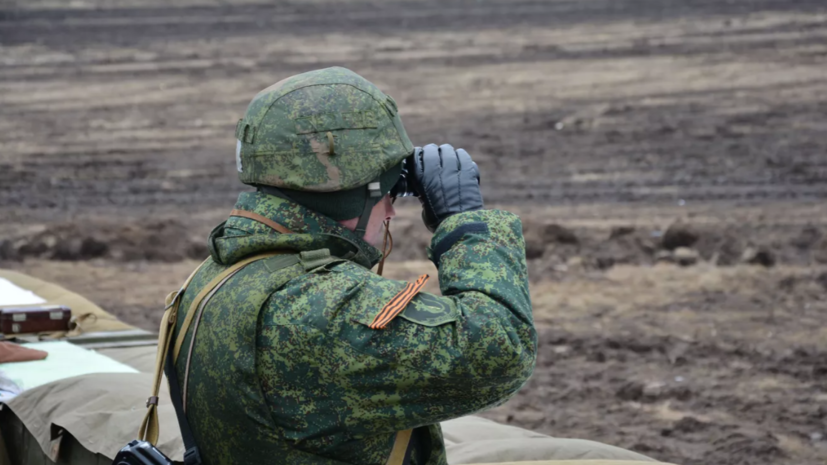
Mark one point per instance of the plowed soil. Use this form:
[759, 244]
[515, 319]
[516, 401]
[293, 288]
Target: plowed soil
[668, 157]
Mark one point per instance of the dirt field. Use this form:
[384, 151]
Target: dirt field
[669, 159]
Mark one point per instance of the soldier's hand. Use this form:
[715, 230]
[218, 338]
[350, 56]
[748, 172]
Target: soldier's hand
[448, 182]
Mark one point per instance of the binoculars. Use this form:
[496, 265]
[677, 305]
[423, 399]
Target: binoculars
[404, 186]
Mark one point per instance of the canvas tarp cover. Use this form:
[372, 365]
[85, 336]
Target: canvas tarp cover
[91, 417]
[102, 413]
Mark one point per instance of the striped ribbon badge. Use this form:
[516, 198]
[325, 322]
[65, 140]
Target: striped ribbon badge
[398, 303]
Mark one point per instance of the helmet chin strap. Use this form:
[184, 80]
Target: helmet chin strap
[387, 247]
[373, 195]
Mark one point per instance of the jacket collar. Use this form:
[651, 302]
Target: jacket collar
[240, 237]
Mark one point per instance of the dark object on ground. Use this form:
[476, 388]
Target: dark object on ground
[679, 235]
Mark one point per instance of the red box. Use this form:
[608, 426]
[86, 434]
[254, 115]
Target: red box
[23, 320]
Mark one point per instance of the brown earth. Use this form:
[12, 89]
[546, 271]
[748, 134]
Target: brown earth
[669, 159]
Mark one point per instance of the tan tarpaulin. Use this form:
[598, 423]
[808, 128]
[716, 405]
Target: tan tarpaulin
[91, 317]
[102, 412]
[478, 440]
[581, 462]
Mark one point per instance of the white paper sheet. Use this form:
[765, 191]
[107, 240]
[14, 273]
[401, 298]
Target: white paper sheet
[11, 295]
[8, 390]
[65, 360]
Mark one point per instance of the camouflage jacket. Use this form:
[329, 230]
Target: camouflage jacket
[321, 386]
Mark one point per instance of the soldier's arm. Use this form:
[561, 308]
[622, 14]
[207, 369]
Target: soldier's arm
[482, 271]
[468, 350]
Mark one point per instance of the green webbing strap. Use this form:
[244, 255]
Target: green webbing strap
[313, 259]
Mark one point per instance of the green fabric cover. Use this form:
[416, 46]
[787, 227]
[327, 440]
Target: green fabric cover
[284, 139]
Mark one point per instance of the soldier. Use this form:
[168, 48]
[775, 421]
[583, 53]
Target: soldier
[288, 349]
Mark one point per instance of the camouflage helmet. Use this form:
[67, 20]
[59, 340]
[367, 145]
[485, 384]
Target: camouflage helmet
[320, 132]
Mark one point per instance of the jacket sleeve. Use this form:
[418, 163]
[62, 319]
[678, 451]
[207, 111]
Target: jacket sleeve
[471, 348]
[482, 271]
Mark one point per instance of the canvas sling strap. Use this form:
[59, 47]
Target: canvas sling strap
[149, 427]
[402, 448]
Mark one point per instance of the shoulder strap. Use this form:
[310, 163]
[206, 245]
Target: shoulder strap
[261, 219]
[401, 451]
[149, 426]
[149, 429]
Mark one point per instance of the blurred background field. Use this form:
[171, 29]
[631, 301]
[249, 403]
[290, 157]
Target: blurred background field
[668, 158]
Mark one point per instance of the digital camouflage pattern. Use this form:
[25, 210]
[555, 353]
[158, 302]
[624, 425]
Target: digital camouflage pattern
[321, 131]
[285, 369]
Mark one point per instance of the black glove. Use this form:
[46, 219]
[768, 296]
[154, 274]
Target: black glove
[447, 181]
